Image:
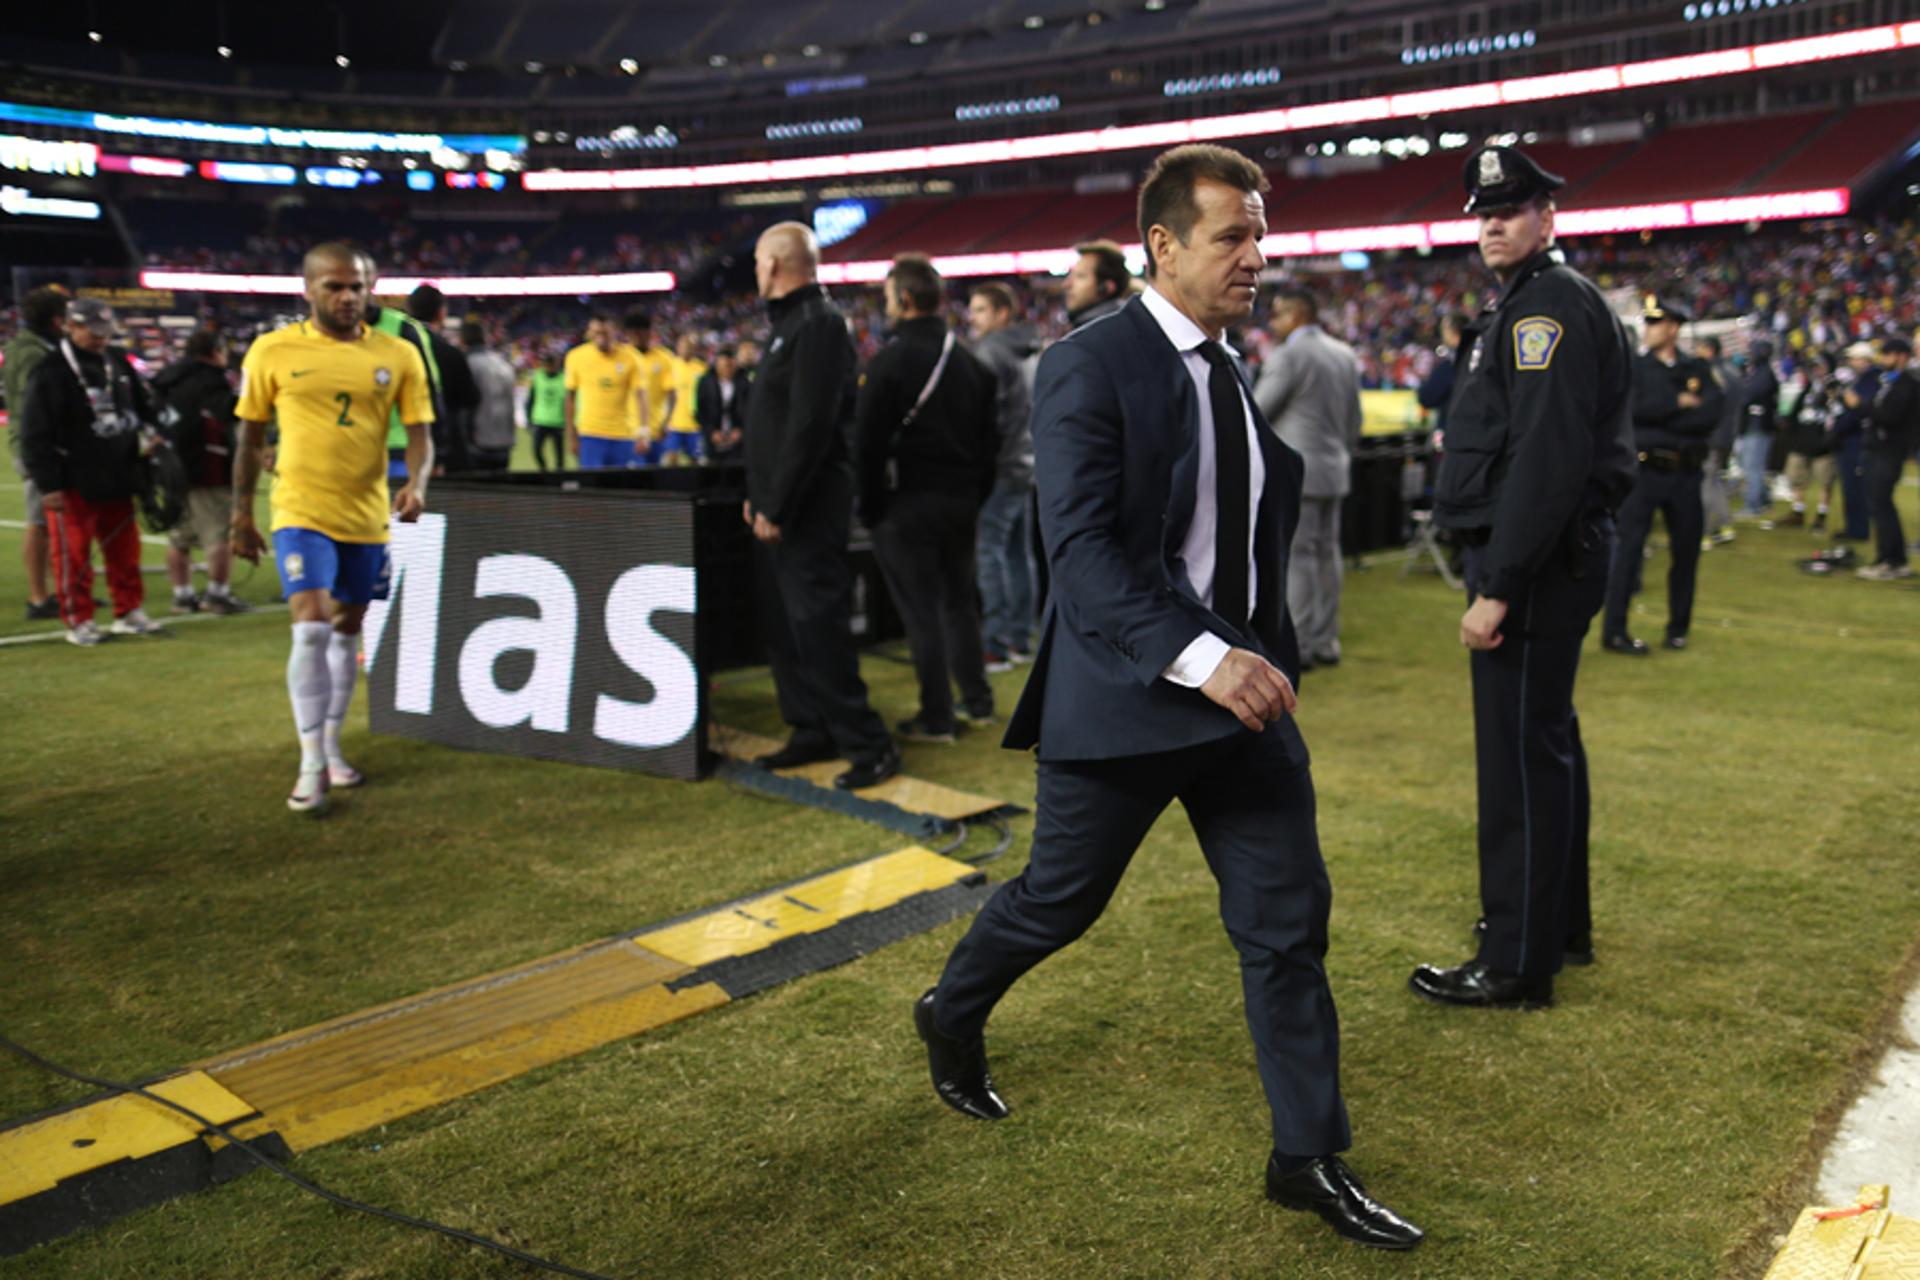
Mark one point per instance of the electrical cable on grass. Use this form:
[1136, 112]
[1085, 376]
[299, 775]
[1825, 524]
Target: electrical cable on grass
[346, 1202]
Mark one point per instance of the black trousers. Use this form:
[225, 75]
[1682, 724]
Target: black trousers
[556, 437]
[1535, 807]
[1250, 800]
[804, 590]
[1675, 495]
[1883, 477]
[926, 548]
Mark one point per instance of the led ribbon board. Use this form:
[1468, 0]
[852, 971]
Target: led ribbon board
[1279, 120]
[572, 286]
[263, 135]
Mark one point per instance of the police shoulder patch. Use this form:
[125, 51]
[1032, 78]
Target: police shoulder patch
[1534, 341]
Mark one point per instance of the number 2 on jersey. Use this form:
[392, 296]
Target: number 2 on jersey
[346, 407]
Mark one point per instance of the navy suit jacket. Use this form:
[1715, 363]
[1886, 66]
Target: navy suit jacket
[1116, 437]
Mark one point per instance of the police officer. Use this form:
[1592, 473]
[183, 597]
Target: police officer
[1539, 454]
[1676, 406]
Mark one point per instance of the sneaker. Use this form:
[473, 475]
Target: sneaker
[998, 664]
[343, 775]
[309, 794]
[1724, 535]
[186, 604]
[973, 717]
[135, 622]
[225, 606]
[1885, 572]
[919, 729]
[46, 609]
[1020, 657]
[86, 635]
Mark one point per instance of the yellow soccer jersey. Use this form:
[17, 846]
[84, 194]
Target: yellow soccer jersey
[603, 384]
[686, 379]
[332, 400]
[658, 366]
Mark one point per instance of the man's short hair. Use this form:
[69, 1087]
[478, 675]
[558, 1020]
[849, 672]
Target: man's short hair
[917, 282]
[426, 303]
[202, 344]
[1300, 299]
[998, 296]
[602, 316]
[1166, 197]
[1455, 320]
[1109, 265]
[42, 306]
[1712, 344]
[637, 320]
[725, 353]
[472, 335]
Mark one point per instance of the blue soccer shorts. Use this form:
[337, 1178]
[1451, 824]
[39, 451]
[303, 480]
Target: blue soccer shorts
[350, 572]
[597, 452]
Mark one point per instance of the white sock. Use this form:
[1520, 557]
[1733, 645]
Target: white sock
[343, 669]
[218, 590]
[308, 687]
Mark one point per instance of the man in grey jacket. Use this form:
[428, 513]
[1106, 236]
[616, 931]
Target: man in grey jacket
[1006, 564]
[1309, 389]
[494, 379]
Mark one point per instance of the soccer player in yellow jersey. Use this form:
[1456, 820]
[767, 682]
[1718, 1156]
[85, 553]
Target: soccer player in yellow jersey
[657, 386]
[683, 429]
[603, 382]
[330, 382]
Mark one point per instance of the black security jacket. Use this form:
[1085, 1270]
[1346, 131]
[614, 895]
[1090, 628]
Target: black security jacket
[62, 443]
[802, 403]
[1540, 429]
[1658, 420]
[952, 443]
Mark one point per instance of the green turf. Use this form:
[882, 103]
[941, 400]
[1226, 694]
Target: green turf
[1754, 892]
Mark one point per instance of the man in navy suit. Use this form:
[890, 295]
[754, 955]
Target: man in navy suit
[1166, 671]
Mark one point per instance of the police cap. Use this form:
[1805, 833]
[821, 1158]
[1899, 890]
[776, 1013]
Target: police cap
[1652, 309]
[1498, 177]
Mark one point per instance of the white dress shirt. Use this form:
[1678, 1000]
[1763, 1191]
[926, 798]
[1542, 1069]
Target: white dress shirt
[1196, 663]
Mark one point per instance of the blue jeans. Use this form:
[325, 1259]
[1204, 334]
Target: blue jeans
[1006, 570]
[1752, 449]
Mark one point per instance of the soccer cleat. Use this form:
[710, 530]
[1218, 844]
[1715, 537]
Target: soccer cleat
[135, 622]
[343, 775]
[45, 610]
[309, 794]
[919, 729]
[86, 635]
[188, 603]
[224, 605]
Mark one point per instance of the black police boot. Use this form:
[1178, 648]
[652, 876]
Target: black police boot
[959, 1067]
[799, 751]
[1327, 1187]
[870, 773]
[1474, 985]
[1624, 643]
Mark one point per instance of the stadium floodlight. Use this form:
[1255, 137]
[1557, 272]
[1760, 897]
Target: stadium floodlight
[342, 61]
[95, 36]
[810, 51]
[630, 66]
[917, 37]
[1279, 120]
[225, 50]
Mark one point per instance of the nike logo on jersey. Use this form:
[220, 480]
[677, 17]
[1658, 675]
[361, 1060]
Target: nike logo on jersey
[299, 373]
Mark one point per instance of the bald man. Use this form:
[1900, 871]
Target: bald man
[800, 507]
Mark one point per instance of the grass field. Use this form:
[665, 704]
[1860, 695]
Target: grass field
[1756, 901]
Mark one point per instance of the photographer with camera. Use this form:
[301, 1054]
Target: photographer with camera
[88, 419]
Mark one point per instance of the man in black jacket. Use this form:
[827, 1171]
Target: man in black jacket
[800, 507]
[926, 443]
[1676, 407]
[1539, 455]
[720, 407]
[453, 432]
[197, 413]
[1893, 431]
[86, 413]
[1758, 397]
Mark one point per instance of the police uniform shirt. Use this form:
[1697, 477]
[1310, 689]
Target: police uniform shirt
[1540, 425]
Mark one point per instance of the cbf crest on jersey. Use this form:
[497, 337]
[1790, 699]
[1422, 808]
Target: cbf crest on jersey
[1534, 341]
[381, 377]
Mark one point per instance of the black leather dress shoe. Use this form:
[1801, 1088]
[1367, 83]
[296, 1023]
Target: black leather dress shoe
[1579, 949]
[1625, 644]
[797, 753]
[870, 773]
[1327, 1187]
[959, 1067]
[1475, 986]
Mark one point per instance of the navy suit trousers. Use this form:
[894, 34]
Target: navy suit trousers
[1250, 800]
